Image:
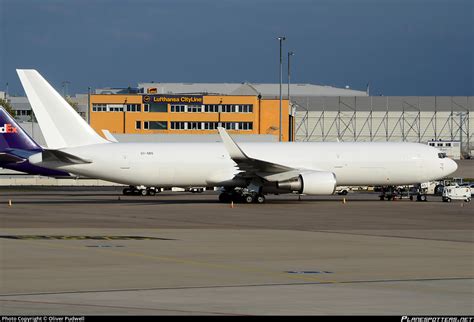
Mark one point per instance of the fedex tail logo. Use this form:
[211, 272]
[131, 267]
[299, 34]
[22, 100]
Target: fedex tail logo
[8, 128]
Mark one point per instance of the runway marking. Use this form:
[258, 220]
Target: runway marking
[59, 237]
[308, 272]
[389, 236]
[242, 286]
[118, 307]
[186, 261]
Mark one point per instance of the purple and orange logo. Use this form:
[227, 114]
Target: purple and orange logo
[8, 128]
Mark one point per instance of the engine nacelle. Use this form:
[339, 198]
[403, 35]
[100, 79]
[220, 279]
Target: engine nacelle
[311, 183]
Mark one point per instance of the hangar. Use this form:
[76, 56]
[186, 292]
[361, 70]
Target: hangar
[386, 118]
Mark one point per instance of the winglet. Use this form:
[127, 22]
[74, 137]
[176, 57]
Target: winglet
[235, 152]
[109, 136]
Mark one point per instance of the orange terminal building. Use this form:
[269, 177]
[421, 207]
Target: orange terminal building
[147, 111]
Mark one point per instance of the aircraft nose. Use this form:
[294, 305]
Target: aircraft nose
[450, 166]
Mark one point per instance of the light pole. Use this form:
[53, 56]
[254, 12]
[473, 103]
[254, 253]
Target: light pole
[290, 53]
[65, 84]
[281, 76]
[89, 105]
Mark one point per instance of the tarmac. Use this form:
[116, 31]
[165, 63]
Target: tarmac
[87, 251]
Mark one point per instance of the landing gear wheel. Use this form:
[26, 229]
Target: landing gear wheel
[260, 199]
[127, 191]
[421, 198]
[151, 192]
[143, 192]
[248, 199]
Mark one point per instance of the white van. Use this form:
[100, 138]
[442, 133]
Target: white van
[456, 193]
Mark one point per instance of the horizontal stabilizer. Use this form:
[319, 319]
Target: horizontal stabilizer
[10, 158]
[55, 158]
[63, 157]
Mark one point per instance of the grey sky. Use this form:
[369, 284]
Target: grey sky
[402, 47]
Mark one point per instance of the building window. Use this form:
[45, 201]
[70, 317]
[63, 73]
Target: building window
[194, 108]
[245, 126]
[186, 108]
[229, 125]
[146, 107]
[158, 125]
[246, 108]
[133, 107]
[99, 107]
[146, 125]
[115, 107]
[194, 125]
[22, 112]
[210, 125]
[178, 125]
[228, 108]
[138, 125]
[177, 108]
[211, 108]
[158, 107]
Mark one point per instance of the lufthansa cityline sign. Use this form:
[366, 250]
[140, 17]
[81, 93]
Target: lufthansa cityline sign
[183, 99]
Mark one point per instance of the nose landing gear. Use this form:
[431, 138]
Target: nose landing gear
[140, 191]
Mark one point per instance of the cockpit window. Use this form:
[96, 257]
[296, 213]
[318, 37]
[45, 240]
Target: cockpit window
[442, 155]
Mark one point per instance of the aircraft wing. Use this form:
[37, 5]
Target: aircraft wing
[251, 167]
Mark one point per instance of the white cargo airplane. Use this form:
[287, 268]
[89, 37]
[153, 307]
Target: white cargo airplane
[246, 171]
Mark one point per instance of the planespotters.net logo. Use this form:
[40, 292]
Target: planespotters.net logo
[8, 128]
[437, 319]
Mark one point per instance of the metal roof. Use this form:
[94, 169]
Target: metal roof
[266, 90]
[384, 103]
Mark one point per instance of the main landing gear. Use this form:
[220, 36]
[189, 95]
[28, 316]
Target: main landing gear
[241, 196]
[140, 191]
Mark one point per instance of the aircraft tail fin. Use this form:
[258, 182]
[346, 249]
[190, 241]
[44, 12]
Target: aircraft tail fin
[61, 125]
[12, 136]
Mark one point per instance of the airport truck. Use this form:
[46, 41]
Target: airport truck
[456, 193]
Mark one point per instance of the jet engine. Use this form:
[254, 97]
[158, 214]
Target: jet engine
[311, 183]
